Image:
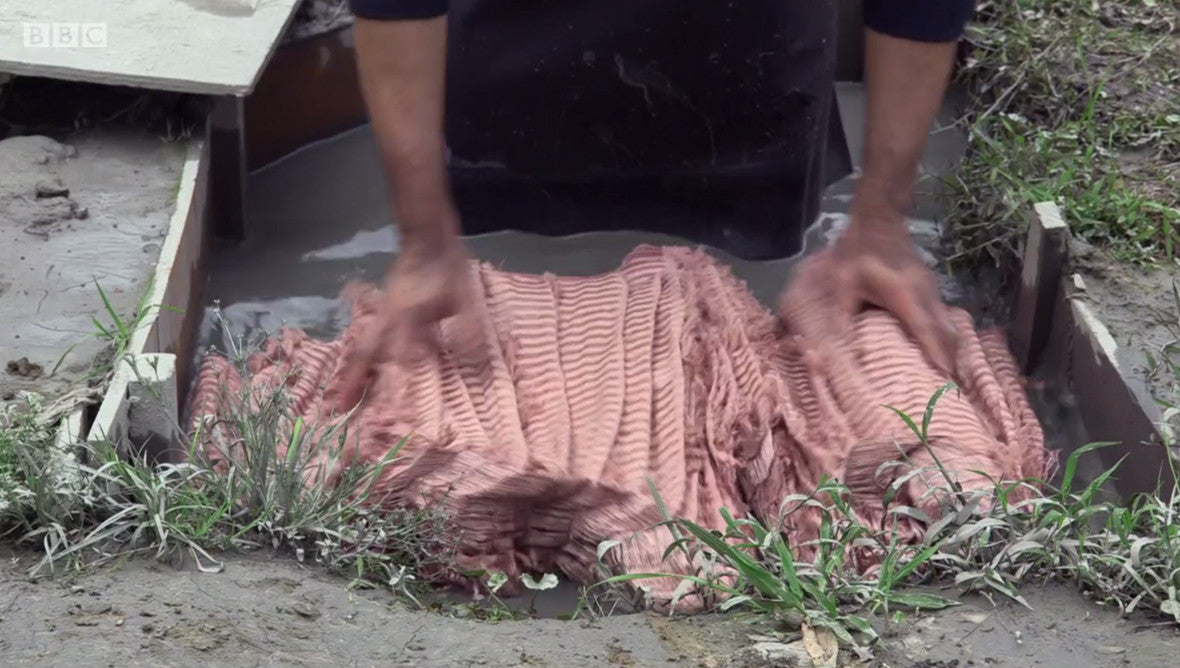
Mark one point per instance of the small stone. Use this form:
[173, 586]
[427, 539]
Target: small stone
[45, 189]
[787, 654]
[1112, 649]
[76, 589]
[93, 608]
[82, 213]
[305, 610]
[24, 368]
[974, 617]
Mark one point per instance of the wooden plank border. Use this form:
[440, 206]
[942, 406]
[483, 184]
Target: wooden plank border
[151, 382]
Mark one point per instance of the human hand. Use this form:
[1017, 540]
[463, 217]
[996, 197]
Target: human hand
[873, 263]
[426, 285]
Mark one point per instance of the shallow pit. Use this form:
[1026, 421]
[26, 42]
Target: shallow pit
[319, 217]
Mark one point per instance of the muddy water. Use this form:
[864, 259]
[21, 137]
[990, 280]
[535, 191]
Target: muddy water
[320, 218]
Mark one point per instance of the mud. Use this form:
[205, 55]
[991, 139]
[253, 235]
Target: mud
[73, 215]
[262, 612]
[1060, 630]
[1142, 310]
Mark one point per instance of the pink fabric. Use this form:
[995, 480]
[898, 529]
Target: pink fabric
[666, 369]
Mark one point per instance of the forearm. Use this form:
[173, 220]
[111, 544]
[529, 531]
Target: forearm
[909, 52]
[906, 82]
[402, 67]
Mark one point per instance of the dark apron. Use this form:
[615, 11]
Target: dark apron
[713, 121]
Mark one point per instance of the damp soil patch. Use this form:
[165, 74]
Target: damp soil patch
[83, 219]
[90, 181]
[262, 610]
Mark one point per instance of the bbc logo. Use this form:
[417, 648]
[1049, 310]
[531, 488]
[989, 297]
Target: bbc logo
[65, 35]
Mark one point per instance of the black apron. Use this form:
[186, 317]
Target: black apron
[713, 121]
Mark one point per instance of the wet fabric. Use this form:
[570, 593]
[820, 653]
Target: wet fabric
[666, 370]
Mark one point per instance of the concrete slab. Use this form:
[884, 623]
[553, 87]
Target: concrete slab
[192, 46]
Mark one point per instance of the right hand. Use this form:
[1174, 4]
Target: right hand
[427, 284]
[873, 263]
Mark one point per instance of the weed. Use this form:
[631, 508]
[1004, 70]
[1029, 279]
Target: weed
[119, 332]
[107, 505]
[990, 542]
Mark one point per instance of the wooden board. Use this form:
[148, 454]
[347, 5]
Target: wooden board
[216, 47]
[169, 332]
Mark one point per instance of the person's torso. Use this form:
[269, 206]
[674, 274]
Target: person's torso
[572, 87]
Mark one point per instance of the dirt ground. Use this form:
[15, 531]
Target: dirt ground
[1142, 310]
[263, 612]
[92, 210]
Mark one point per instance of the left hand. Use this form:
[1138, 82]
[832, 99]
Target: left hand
[873, 263]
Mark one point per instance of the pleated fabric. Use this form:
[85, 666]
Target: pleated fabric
[666, 373]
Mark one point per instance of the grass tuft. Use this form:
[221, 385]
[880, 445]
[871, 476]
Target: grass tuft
[97, 503]
[1074, 102]
[989, 542]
